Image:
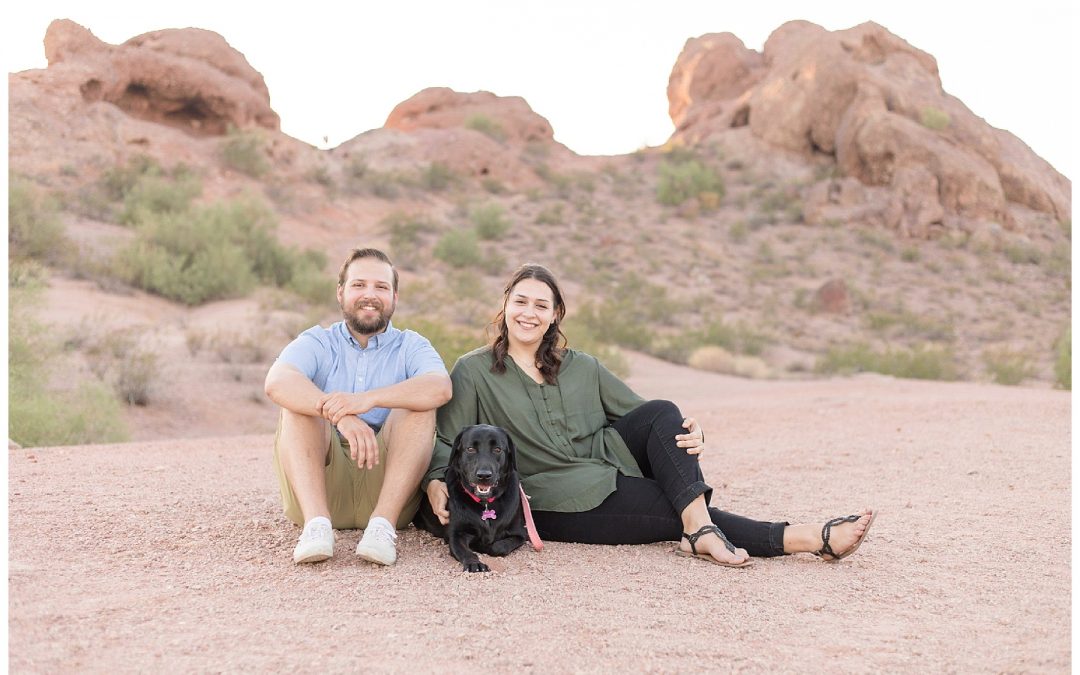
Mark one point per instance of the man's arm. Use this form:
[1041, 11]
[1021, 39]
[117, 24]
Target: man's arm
[419, 393]
[291, 389]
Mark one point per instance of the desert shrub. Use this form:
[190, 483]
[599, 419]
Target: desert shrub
[119, 360]
[213, 252]
[1022, 253]
[486, 126]
[39, 416]
[450, 340]
[921, 363]
[1063, 360]
[490, 221]
[361, 179]
[905, 323]
[779, 203]
[582, 338]
[552, 215]
[934, 118]
[156, 193]
[243, 151]
[117, 181]
[494, 186]
[406, 237]
[735, 339]
[34, 226]
[1006, 366]
[689, 179]
[630, 312]
[458, 248]
[438, 177]
[719, 360]
[321, 174]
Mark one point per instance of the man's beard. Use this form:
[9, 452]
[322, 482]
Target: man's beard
[368, 326]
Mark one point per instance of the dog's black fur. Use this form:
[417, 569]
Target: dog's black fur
[483, 465]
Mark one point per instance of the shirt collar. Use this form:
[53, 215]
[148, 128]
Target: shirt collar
[375, 341]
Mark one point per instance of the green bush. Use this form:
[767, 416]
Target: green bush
[243, 151]
[38, 416]
[579, 336]
[34, 226]
[486, 126]
[689, 179]
[921, 363]
[118, 181]
[1008, 367]
[1063, 360]
[630, 313]
[490, 221]
[933, 118]
[214, 252]
[438, 177]
[458, 248]
[451, 341]
[118, 360]
[153, 194]
[406, 237]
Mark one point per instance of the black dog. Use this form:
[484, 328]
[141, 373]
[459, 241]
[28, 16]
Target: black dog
[486, 515]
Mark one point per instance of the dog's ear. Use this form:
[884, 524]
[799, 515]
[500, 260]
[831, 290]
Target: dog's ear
[511, 451]
[455, 449]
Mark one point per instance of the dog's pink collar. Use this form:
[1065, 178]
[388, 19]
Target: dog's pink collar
[489, 513]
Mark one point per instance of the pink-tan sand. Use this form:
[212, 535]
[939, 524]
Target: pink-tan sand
[173, 556]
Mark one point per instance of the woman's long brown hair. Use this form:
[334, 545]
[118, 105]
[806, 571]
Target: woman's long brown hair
[549, 354]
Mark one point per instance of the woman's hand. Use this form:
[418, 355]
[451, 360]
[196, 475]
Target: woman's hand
[438, 496]
[694, 438]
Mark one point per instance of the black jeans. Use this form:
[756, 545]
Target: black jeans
[645, 510]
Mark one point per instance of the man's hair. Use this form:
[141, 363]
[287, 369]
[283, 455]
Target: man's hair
[357, 254]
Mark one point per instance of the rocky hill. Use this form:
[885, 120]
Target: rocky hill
[824, 206]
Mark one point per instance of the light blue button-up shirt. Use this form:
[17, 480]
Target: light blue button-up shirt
[335, 361]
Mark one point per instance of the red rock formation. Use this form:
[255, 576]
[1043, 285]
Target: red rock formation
[876, 104]
[190, 78]
[444, 108]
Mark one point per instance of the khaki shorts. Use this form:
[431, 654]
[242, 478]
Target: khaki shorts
[351, 492]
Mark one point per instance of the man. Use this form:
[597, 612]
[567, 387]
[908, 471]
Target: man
[357, 421]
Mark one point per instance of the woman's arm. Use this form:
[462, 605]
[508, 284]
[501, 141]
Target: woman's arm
[616, 397]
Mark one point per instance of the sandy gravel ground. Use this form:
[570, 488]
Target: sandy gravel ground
[173, 556]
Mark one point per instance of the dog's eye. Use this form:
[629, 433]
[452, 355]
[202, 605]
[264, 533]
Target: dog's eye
[497, 450]
[471, 451]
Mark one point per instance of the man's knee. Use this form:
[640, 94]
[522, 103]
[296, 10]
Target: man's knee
[413, 421]
[304, 432]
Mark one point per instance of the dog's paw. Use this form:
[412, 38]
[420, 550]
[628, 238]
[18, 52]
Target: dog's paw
[476, 567]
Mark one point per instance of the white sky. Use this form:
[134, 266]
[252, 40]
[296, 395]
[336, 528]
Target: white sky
[597, 71]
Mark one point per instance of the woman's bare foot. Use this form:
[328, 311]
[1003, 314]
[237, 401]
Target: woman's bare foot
[842, 537]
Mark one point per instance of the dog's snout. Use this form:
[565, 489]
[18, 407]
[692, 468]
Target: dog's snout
[484, 473]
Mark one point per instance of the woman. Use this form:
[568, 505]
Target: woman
[601, 464]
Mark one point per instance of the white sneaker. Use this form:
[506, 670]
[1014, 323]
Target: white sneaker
[379, 543]
[316, 543]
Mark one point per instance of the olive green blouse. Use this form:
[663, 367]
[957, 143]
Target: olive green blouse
[567, 452]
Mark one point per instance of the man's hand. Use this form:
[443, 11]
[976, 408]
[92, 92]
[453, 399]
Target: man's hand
[438, 496]
[337, 405]
[363, 448]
